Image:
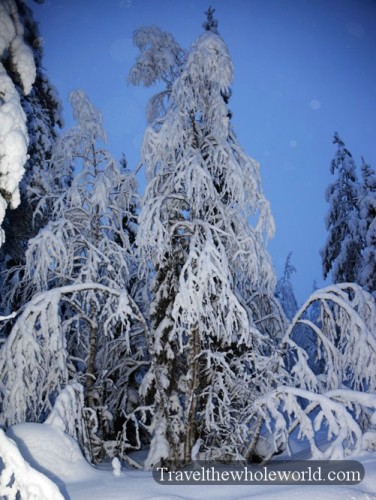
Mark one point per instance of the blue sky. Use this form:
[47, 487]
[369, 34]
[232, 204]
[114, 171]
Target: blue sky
[303, 69]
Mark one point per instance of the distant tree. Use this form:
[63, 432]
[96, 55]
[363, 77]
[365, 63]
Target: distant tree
[367, 215]
[342, 251]
[17, 55]
[284, 290]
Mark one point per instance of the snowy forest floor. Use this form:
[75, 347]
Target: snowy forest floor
[137, 485]
[57, 455]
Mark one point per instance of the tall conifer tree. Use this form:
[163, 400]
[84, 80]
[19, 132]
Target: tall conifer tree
[367, 223]
[43, 115]
[194, 229]
[341, 253]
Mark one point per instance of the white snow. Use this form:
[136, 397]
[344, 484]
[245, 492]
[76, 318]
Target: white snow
[23, 58]
[51, 451]
[13, 137]
[18, 477]
[57, 455]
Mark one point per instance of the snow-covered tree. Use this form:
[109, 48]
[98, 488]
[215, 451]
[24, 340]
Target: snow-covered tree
[14, 138]
[344, 330]
[342, 251]
[349, 253]
[367, 215]
[160, 60]
[284, 290]
[76, 286]
[194, 231]
[43, 113]
[211, 24]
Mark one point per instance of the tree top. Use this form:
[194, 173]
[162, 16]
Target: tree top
[211, 24]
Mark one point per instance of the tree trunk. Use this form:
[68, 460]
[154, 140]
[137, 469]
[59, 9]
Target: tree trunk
[191, 432]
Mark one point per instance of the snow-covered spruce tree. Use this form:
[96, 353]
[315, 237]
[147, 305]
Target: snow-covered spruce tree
[81, 320]
[367, 223]
[13, 130]
[302, 335]
[207, 352]
[342, 251]
[43, 112]
[284, 290]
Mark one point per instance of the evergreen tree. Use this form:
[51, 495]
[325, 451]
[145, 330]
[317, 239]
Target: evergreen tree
[367, 214]
[17, 68]
[342, 251]
[43, 114]
[194, 230]
[211, 24]
[284, 290]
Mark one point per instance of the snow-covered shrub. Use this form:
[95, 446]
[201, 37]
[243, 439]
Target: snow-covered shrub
[338, 404]
[329, 422]
[33, 362]
[67, 415]
[345, 339]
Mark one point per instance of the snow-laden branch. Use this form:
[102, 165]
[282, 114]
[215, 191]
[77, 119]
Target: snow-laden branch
[33, 359]
[333, 413]
[344, 335]
[340, 322]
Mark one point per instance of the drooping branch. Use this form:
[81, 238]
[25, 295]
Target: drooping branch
[33, 359]
[344, 333]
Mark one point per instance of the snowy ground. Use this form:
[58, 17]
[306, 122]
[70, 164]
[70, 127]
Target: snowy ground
[57, 455]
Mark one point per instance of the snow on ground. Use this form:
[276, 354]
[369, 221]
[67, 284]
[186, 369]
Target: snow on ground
[57, 455]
